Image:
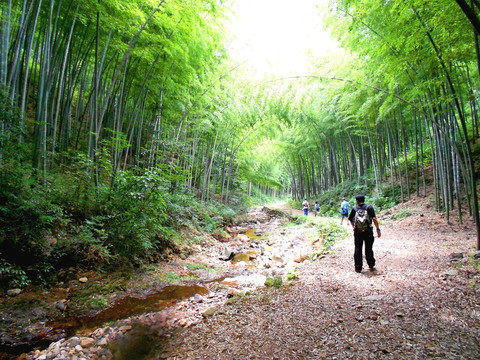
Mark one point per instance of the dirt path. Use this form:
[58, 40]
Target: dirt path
[421, 303]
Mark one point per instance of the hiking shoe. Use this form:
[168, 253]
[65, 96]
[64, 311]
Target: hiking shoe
[372, 268]
[358, 270]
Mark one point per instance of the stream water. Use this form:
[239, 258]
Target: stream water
[123, 308]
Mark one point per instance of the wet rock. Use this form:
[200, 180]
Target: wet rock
[83, 280]
[14, 292]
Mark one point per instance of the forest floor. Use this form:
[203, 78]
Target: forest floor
[421, 302]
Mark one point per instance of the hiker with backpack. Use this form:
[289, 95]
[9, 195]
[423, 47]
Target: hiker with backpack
[361, 218]
[317, 208]
[305, 207]
[344, 209]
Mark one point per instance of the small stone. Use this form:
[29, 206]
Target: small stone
[375, 297]
[14, 292]
[102, 342]
[74, 341]
[78, 348]
[61, 304]
[232, 293]
[124, 329]
[86, 342]
[451, 272]
[99, 332]
[455, 257]
[198, 298]
[210, 312]
[83, 280]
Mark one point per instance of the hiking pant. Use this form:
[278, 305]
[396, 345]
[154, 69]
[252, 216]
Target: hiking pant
[305, 211]
[360, 238]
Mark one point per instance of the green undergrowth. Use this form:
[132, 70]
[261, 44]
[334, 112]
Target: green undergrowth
[131, 218]
[331, 199]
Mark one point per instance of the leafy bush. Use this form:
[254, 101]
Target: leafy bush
[11, 275]
[330, 231]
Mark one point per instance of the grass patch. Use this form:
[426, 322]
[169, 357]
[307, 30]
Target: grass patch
[404, 213]
[275, 282]
[86, 296]
[203, 268]
[171, 277]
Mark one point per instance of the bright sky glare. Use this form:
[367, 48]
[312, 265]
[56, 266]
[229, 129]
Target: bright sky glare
[275, 37]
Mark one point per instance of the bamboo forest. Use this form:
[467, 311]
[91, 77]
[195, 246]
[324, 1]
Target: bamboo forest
[158, 196]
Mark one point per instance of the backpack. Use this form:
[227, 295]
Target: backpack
[317, 206]
[362, 221]
[345, 208]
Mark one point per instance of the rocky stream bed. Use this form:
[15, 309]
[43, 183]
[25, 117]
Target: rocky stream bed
[262, 247]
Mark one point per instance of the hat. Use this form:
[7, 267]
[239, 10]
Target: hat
[360, 198]
[343, 198]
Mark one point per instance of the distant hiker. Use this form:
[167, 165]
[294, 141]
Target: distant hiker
[344, 209]
[361, 218]
[305, 207]
[317, 208]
